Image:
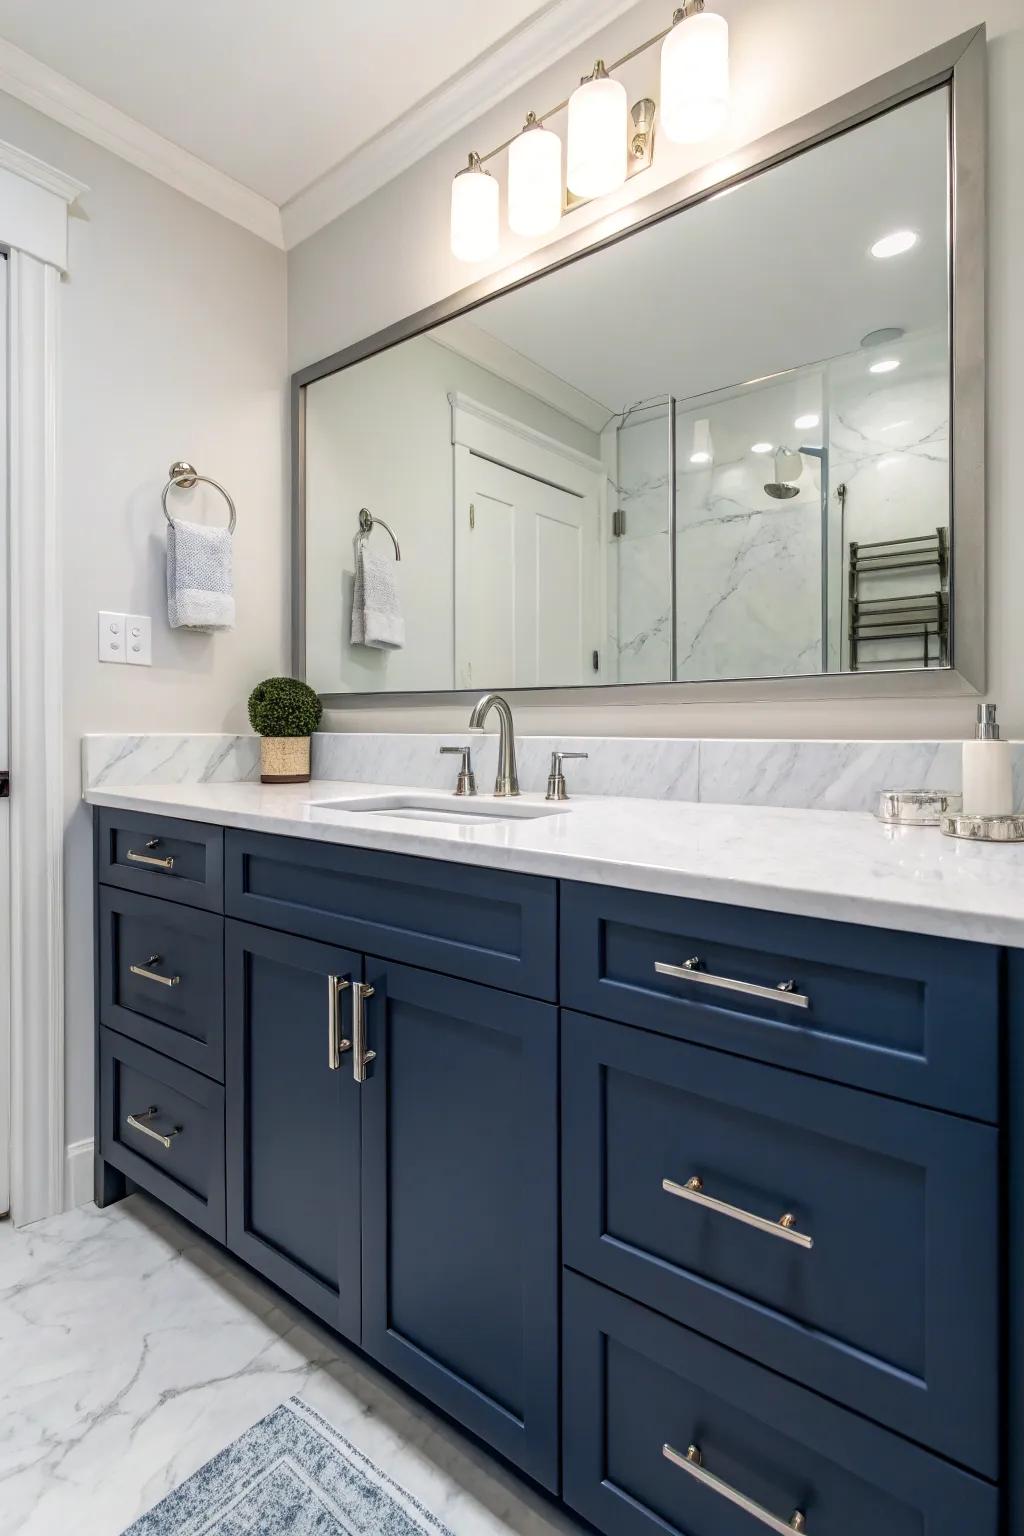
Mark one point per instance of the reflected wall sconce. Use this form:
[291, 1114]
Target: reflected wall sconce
[607, 141]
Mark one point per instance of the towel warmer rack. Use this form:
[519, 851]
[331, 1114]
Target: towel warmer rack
[184, 476]
[367, 523]
[921, 617]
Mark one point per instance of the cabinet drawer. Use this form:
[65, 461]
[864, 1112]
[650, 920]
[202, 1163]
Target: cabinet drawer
[162, 977]
[479, 924]
[176, 1149]
[893, 1310]
[157, 856]
[902, 1014]
[636, 1384]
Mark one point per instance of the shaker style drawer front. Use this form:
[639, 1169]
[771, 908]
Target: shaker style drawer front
[906, 1015]
[163, 1126]
[478, 924]
[157, 856]
[162, 977]
[845, 1240]
[668, 1434]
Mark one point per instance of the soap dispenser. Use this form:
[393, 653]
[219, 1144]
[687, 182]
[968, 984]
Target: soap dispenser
[987, 785]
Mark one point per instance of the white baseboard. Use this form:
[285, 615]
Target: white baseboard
[78, 1170]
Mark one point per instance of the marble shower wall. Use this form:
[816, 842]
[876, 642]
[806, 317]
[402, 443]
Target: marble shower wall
[817, 775]
[889, 445]
[639, 566]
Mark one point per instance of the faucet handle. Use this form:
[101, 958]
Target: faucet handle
[556, 778]
[465, 784]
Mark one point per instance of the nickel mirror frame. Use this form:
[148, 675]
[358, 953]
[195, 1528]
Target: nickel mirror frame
[958, 65]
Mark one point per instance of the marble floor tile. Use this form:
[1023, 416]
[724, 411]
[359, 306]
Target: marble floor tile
[132, 1350]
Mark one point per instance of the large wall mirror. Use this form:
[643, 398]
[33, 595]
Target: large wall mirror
[740, 442]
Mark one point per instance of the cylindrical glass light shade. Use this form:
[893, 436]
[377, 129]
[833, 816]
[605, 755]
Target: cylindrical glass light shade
[596, 155]
[534, 180]
[474, 224]
[695, 78]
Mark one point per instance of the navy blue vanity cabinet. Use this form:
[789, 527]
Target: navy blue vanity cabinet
[293, 1110]
[880, 1290]
[876, 1009]
[460, 1204]
[640, 1391]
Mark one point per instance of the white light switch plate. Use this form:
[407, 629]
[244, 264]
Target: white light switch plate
[110, 637]
[139, 639]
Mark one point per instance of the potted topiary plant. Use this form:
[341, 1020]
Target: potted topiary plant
[284, 713]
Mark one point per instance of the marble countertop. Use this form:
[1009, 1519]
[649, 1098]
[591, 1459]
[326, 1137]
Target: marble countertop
[834, 864]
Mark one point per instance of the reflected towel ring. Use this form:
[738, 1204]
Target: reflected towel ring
[184, 477]
[367, 521]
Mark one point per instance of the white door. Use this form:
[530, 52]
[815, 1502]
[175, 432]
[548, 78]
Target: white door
[527, 590]
[5, 838]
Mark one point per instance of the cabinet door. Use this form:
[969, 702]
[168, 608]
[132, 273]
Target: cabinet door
[292, 1120]
[460, 1240]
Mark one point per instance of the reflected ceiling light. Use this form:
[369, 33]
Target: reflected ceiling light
[887, 365]
[703, 451]
[597, 141]
[534, 180]
[807, 423]
[695, 74]
[896, 244]
[761, 447]
[474, 214]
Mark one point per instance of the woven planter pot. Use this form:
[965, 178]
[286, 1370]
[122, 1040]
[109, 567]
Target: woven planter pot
[284, 759]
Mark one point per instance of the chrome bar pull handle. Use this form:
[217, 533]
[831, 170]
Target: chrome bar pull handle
[144, 970]
[154, 860]
[137, 1123]
[785, 1227]
[336, 1043]
[361, 1057]
[692, 970]
[693, 1462]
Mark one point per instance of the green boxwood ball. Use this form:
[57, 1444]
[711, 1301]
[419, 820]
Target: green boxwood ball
[282, 706]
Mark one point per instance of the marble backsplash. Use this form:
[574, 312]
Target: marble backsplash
[823, 775]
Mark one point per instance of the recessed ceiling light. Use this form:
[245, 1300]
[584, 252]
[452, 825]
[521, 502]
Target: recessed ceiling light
[805, 423]
[888, 365]
[896, 244]
[700, 458]
[761, 447]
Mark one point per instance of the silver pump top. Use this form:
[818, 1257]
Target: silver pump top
[987, 728]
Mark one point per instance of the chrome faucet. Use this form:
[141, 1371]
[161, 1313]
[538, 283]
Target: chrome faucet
[507, 782]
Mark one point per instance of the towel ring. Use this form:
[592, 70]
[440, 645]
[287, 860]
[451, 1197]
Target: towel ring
[366, 525]
[184, 477]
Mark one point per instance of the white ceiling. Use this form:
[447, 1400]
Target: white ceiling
[773, 275]
[272, 94]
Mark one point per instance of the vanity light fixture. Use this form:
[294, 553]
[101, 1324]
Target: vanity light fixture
[887, 365]
[762, 447]
[596, 151]
[807, 423]
[606, 142]
[534, 179]
[474, 223]
[695, 74]
[896, 244]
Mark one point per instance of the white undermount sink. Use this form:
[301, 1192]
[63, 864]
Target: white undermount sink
[465, 811]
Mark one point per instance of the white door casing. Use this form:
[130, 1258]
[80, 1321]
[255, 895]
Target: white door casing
[529, 514]
[33, 230]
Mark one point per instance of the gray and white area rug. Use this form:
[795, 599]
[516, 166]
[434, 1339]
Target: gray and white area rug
[292, 1474]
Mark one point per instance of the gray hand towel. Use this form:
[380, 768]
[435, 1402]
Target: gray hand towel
[200, 589]
[376, 609]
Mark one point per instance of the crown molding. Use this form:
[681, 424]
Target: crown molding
[507, 67]
[39, 86]
[13, 159]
